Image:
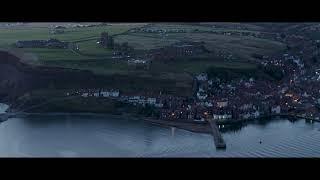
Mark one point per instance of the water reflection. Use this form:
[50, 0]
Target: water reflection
[104, 136]
[232, 128]
[173, 129]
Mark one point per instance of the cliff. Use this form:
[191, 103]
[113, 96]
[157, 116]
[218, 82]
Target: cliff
[17, 78]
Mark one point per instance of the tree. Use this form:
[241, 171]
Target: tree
[148, 110]
[288, 47]
[274, 72]
[110, 42]
[106, 40]
[314, 59]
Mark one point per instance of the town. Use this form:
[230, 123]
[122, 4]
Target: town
[298, 94]
[292, 90]
[201, 77]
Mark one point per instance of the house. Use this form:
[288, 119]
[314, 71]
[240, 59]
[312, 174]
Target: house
[221, 116]
[245, 106]
[202, 77]
[158, 105]
[85, 95]
[284, 89]
[222, 104]
[51, 43]
[105, 94]
[256, 114]
[115, 93]
[208, 104]
[56, 31]
[139, 63]
[245, 116]
[201, 94]
[305, 95]
[136, 99]
[112, 93]
[248, 85]
[151, 101]
[276, 109]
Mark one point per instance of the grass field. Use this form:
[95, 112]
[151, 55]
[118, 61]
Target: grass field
[97, 59]
[144, 42]
[195, 66]
[9, 36]
[92, 48]
[175, 76]
[175, 26]
[39, 32]
[230, 25]
[240, 46]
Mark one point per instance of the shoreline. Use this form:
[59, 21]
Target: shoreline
[200, 127]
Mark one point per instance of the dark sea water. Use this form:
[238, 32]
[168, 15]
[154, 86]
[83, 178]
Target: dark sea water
[104, 136]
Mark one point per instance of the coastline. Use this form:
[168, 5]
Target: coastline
[205, 128]
[197, 127]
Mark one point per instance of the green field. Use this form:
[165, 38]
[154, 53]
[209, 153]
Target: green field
[144, 42]
[97, 59]
[195, 66]
[87, 35]
[240, 47]
[92, 48]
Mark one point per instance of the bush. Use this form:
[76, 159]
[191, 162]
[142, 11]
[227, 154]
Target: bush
[148, 111]
[274, 72]
[226, 75]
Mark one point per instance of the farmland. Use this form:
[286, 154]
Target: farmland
[242, 47]
[97, 59]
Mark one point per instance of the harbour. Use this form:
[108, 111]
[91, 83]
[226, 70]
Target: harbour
[41, 135]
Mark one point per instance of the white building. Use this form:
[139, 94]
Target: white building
[151, 101]
[256, 114]
[85, 94]
[208, 104]
[246, 116]
[298, 62]
[105, 94]
[114, 93]
[158, 105]
[201, 94]
[134, 99]
[245, 106]
[305, 94]
[276, 109]
[222, 104]
[202, 77]
[110, 93]
[221, 116]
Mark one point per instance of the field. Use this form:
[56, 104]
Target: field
[242, 47]
[98, 60]
[145, 42]
[40, 31]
